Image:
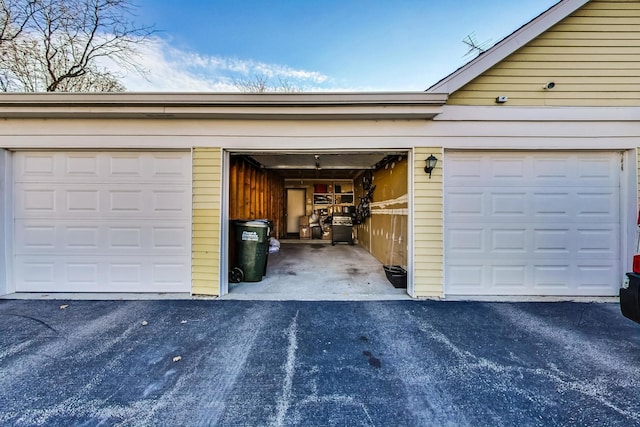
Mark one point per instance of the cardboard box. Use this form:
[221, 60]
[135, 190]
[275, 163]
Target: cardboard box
[304, 220]
[305, 232]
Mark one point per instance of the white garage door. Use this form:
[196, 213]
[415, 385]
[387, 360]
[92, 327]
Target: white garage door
[102, 221]
[534, 223]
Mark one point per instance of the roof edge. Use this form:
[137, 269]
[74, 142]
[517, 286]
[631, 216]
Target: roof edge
[506, 46]
[193, 99]
[373, 105]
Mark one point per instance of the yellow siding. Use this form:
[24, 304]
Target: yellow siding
[428, 226]
[205, 243]
[593, 57]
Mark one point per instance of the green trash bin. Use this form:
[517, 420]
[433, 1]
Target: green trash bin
[252, 246]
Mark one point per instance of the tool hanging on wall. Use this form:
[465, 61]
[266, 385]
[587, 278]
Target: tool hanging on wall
[367, 180]
[363, 210]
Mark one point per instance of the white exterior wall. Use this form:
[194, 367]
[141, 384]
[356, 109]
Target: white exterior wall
[456, 128]
[6, 285]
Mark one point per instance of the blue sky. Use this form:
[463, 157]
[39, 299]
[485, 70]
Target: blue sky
[318, 45]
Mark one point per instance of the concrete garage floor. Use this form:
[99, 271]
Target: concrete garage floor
[315, 270]
[375, 363]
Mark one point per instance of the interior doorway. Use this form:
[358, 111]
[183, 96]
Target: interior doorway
[296, 207]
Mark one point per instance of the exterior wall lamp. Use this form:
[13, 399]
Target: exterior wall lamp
[431, 164]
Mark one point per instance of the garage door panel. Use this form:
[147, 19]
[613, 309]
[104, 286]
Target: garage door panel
[599, 206]
[510, 204]
[170, 201]
[88, 273]
[599, 241]
[465, 203]
[539, 279]
[467, 278]
[102, 222]
[37, 237]
[86, 201]
[97, 167]
[595, 170]
[594, 277]
[550, 169]
[508, 276]
[169, 238]
[38, 200]
[537, 237]
[79, 200]
[532, 169]
[559, 204]
[34, 166]
[549, 279]
[124, 165]
[552, 242]
[508, 240]
[466, 239]
[81, 165]
[552, 205]
[170, 273]
[170, 166]
[507, 170]
[588, 240]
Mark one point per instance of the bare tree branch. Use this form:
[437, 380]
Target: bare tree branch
[256, 84]
[67, 40]
[260, 83]
[285, 85]
[14, 17]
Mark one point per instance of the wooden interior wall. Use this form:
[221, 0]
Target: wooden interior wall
[256, 194]
[384, 233]
[389, 213]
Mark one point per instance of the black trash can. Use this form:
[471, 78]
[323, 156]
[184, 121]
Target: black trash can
[252, 246]
[267, 242]
[630, 298]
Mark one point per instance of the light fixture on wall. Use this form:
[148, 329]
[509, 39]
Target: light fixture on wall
[317, 157]
[431, 164]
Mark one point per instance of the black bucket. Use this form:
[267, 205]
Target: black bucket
[396, 275]
[630, 298]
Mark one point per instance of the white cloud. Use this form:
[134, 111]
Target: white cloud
[173, 70]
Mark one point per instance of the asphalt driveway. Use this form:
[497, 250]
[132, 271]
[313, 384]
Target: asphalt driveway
[237, 363]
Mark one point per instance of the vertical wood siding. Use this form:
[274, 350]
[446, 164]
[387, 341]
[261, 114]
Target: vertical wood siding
[428, 225]
[256, 194]
[207, 179]
[388, 221]
[592, 56]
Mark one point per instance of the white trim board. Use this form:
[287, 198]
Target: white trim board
[535, 114]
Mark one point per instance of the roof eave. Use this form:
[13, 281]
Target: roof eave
[373, 105]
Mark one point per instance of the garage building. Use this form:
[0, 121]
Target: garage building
[534, 192]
